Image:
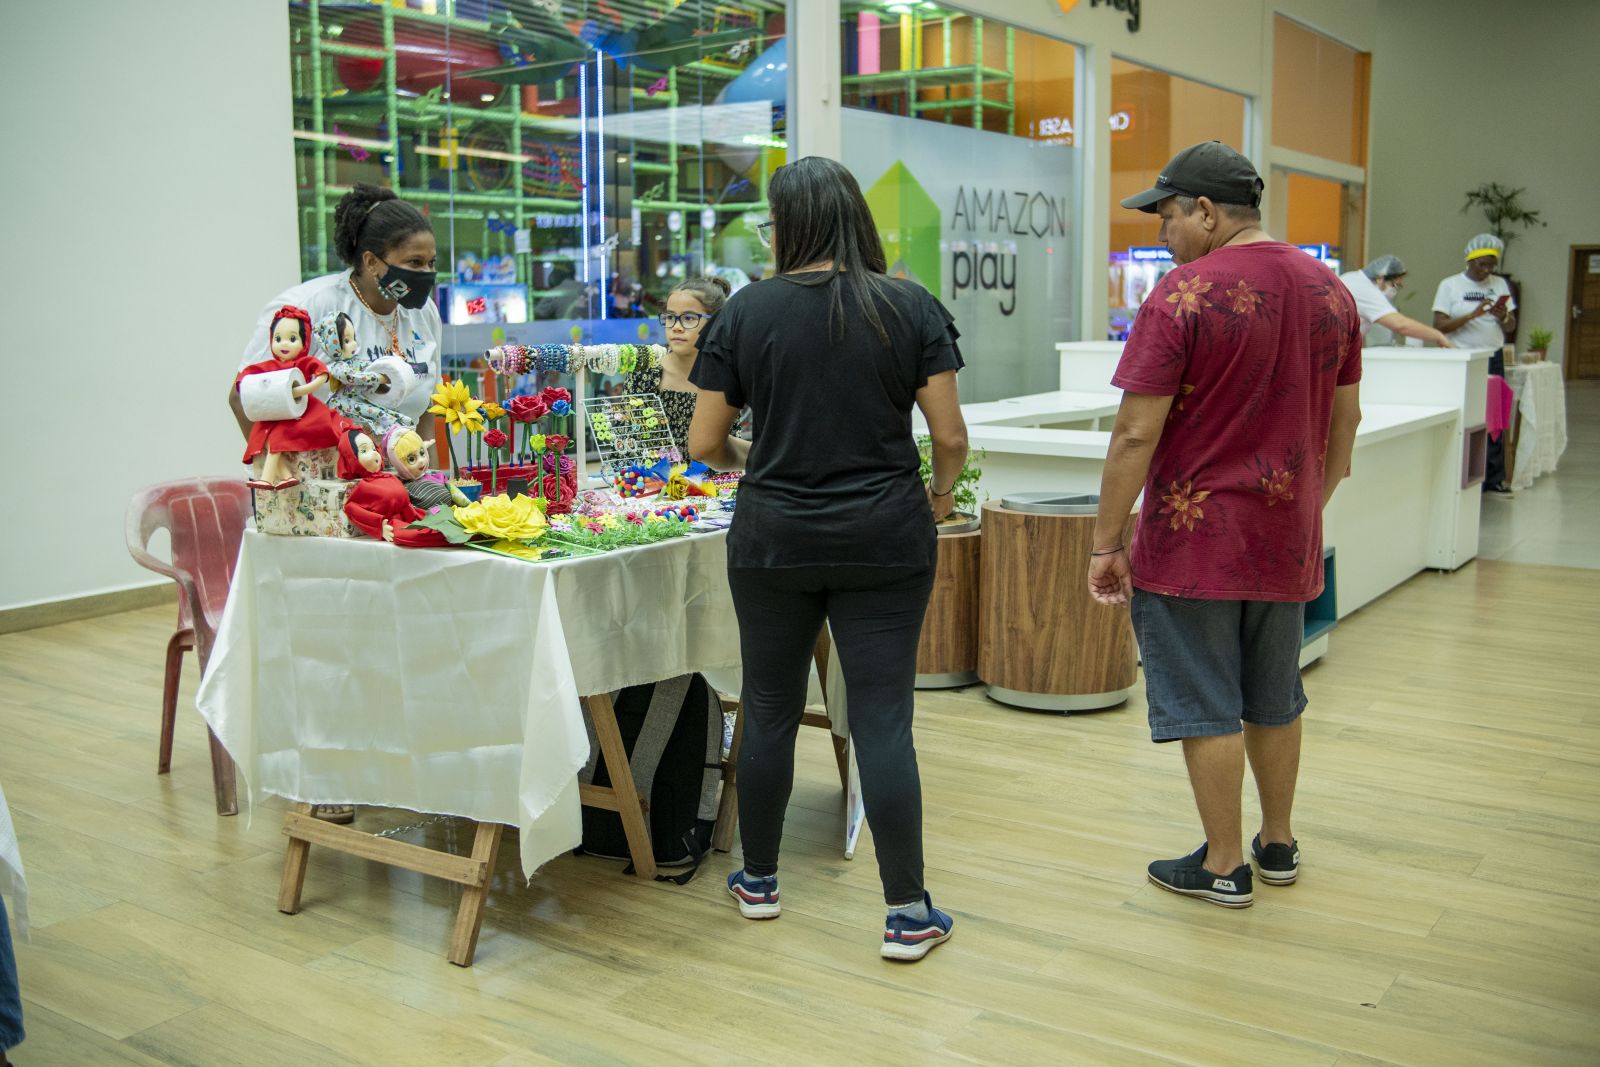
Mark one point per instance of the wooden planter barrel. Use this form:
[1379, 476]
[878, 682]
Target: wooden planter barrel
[947, 652]
[1043, 642]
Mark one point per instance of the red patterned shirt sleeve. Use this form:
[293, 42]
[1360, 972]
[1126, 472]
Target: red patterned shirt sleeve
[1350, 365]
[1157, 352]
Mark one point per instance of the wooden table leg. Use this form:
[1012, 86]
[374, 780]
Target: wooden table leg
[223, 777]
[474, 872]
[294, 867]
[623, 792]
[469, 913]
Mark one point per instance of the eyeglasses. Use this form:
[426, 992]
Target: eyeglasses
[764, 232]
[689, 320]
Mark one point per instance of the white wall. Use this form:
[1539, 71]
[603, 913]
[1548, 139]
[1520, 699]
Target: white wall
[150, 201]
[1472, 91]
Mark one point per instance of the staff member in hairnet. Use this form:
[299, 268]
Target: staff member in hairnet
[1475, 310]
[1373, 287]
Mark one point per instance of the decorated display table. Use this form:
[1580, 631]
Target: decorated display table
[448, 681]
[1541, 420]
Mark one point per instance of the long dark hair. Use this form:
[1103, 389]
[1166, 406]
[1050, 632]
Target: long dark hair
[819, 214]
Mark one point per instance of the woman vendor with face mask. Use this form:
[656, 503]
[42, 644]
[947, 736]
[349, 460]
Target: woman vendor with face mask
[389, 248]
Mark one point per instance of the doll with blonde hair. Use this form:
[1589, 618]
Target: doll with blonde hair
[407, 453]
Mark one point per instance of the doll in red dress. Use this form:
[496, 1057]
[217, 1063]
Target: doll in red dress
[290, 340]
[380, 506]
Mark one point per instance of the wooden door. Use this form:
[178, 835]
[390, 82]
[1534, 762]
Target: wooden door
[1582, 353]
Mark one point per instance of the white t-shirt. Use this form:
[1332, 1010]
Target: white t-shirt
[420, 332]
[1458, 295]
[1371, 304]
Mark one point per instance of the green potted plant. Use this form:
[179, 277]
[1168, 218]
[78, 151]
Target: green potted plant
[965, 516]
[1539, 342]
[1504, 210]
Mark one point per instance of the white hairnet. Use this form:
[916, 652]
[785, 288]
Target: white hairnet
[1486, 244]
[1384, 267]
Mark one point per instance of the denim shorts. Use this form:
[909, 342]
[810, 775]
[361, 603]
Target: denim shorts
[1210, 664]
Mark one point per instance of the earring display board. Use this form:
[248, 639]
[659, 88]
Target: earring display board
[630, 430]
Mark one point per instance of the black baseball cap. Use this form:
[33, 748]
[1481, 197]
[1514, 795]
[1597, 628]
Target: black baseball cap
[1210, 169]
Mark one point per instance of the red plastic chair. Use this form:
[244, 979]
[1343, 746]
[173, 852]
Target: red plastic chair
[205, 518]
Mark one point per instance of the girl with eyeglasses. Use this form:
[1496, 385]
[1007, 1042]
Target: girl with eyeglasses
[834, 523]
[690, 306]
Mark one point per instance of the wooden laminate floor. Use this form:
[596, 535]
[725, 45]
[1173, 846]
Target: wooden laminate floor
[1448, 910]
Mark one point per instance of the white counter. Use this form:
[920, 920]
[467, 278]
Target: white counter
[1403, 508]
[1059, 410]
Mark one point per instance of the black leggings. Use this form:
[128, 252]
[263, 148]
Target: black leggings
[876, 617]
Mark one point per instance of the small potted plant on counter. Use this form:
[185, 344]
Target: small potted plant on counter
[965, 516]
[1539, 344]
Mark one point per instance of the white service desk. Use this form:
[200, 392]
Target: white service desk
[1403, 509]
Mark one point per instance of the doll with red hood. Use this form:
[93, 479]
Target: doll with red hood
[379, 506]
[289, 350]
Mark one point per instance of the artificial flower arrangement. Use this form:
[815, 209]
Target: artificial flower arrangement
[612, 530]
[508, 442]
[513, 526]
[519, 526]
[462, 411]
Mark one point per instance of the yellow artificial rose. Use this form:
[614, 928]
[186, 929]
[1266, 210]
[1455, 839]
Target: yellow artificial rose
[536, 442]
[493, 410]
[508, 518]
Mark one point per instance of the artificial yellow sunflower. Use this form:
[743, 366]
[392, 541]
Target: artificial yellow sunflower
[461, 410]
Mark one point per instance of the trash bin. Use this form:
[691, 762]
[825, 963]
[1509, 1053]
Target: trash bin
[1043, 642]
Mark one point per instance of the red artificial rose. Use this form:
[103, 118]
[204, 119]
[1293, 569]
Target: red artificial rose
[560, 492]
[495, 438]
[527, 408]
[557, 442]
[554, 393]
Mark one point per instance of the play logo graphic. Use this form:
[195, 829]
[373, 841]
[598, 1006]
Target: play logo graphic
[909, 223]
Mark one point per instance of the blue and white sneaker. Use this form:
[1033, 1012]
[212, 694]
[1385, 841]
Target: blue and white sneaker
[757, 897]
[908, 939]
[1277, 863]
[1188, 876]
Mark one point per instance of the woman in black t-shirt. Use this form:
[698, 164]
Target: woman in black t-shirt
[833, 523]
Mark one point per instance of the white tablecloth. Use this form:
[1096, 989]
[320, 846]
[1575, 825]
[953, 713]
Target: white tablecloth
[13, 884]
[1542, 401]
[447, 680]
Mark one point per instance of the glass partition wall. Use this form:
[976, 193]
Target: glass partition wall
[576, 158]
[963, 134]
[1154, 115]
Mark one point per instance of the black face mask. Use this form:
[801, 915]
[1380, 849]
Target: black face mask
[409, 288]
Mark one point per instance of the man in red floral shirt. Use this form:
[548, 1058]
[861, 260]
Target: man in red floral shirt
[1239, 411]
